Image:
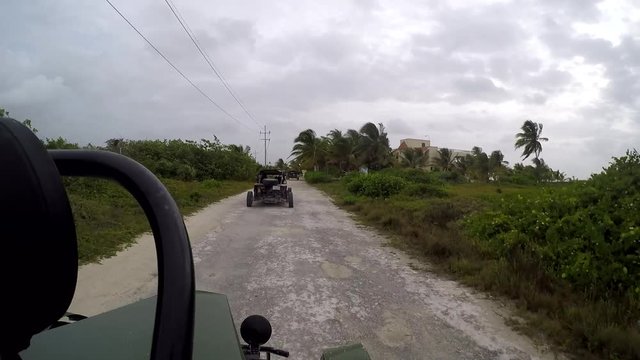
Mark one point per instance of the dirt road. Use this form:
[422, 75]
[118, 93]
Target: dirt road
[322, 280]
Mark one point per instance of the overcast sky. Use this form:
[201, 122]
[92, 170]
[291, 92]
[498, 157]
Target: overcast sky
[461, 74]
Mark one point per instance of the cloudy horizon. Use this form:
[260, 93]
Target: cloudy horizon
[461, 75]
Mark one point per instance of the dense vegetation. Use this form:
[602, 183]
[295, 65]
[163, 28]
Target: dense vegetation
[195, 173]
[339, 152]
[189, 160]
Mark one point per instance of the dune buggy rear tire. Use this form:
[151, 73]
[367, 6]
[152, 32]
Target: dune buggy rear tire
[290, 198]
[249, 198]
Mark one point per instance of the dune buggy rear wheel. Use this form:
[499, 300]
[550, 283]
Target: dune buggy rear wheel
[249, 198]
[290, 198]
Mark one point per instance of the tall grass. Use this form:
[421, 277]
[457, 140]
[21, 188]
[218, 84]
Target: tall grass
[108, 219]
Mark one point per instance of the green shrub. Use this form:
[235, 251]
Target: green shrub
[315, 177]
[586, 236]
[355, 184]
[414, 175]
[590, 247]
[350, 176]
[424, 190]
[451, 177]
[376, 185]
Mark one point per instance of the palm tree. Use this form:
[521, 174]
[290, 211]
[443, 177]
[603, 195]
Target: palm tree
[239, 149]
[354, 138]
[373, 146]
[341, 149]
[497, 164]
[463, 165]
[281, 165]
[542, 171]
[414, 158]
[308, 149]
[480, 164]
[445, 159]
[559, 176]
[530, 139]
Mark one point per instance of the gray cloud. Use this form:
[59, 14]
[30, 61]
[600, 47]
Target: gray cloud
[465, 76]
[476, 30]
[621, 62]
[478, 89]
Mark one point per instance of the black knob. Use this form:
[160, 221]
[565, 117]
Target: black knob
[255, 330]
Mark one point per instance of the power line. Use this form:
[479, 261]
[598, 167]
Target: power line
[175, 67]
[207, 58]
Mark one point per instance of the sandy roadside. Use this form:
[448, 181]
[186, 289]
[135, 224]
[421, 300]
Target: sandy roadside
[132, 275]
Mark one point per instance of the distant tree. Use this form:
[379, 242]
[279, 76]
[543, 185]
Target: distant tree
[3, 113]
[239, 149]
[530, 139]
[445, 160]
[414, 158]
[342, 149]
[559, 176]
[542, 171]
[281, 165]
[59, 143]
[308, 149]
[373, 147]
[497, 165]
[463, 165]
[480, 167]
[295, 165]
[115, 145]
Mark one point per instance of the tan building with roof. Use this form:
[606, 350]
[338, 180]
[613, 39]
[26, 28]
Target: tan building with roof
[425, 146]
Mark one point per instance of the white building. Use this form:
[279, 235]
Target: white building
[425, 146]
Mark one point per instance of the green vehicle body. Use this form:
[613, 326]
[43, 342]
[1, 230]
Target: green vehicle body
[125, 334]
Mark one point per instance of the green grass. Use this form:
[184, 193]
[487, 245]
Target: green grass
[432, 229]
[108, 219]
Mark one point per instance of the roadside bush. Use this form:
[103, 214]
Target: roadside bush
[424, 190]
[189, 160]
[350, 176]
[414, 175]
[376, 185]
[452, 177]
[586, 235]
[315, 177]
[355, 184]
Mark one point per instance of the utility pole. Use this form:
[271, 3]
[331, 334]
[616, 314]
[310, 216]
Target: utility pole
[265, 139]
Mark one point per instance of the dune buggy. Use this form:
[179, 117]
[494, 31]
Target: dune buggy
[39, 268]
[293, 175]
[270, 188]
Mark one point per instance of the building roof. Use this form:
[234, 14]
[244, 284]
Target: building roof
[415, 143]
